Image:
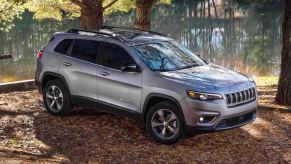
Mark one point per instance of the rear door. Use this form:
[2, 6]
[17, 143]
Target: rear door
[115, 87]
[79, 68]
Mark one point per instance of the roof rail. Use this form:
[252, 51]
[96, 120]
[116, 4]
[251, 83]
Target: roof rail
[129, 28]
[95, 32]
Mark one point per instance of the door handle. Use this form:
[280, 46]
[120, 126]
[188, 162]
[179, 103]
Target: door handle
[104, 73]
[67, 64]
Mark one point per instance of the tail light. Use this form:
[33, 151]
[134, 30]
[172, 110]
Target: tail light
[39, 54]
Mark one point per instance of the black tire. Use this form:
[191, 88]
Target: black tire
[66, 107]
[180, 122]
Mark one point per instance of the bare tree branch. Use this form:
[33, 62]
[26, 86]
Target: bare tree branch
[110, 4]
[10, 7]
[79, 3]
[15, 2]
[155, 1]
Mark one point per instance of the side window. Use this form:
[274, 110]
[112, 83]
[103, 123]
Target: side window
[63, 46]
[85, 50]
[114, 56]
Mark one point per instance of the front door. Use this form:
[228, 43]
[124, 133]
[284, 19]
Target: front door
[122, 89]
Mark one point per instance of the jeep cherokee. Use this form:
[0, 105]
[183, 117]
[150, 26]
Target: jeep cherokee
[145, 75]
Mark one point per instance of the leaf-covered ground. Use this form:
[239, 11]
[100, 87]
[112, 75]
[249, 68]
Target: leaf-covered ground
[30, 134]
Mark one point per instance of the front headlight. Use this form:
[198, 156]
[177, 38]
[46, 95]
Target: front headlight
[203, 96]
[251, 79]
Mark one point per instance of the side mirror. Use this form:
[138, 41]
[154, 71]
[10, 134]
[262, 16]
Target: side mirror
[130, 68]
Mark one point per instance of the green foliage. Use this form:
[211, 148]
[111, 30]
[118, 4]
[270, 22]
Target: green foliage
[119, 6]
[126, 5]
[54, 9]
[8, 11]
[63, 9]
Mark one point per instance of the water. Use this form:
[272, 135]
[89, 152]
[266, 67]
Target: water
[244, 37]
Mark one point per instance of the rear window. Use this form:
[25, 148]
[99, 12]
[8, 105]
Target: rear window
[63, 46]
[85, 50]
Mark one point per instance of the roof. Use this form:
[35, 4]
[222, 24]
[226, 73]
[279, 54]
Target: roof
[130, 36]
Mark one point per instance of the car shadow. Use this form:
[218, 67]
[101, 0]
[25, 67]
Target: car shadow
[89, 136]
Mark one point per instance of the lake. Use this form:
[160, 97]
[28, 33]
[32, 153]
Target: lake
[242, 36]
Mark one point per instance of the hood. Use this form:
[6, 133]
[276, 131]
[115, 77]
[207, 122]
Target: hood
[206, 76]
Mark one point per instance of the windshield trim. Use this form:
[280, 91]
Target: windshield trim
[151, 42]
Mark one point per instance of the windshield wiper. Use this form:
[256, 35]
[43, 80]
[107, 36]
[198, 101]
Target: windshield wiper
[189, 66]
[163, 70]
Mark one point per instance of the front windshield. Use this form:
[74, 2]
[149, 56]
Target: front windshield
[167, 56]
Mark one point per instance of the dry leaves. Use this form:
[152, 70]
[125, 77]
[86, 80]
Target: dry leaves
[30, 134]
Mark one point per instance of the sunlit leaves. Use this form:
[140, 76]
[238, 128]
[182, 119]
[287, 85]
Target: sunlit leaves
[8, 11]
[53, 9]
[119, 6]
[62, 9]
[167, 2]
[126, 5]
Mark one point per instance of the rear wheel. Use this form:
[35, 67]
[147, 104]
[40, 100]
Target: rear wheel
[165, 123]
[56, 98]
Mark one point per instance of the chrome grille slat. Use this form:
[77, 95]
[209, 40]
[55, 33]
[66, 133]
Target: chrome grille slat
[254, 92]
[251, 93]
[248, 94]
[240, 97]
[233, 98]
[230, 98]
[243, 95]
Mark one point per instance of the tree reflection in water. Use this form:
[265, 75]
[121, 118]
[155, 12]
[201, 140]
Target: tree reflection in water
[241, 35]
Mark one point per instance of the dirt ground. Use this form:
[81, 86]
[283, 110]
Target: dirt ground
[30, 134]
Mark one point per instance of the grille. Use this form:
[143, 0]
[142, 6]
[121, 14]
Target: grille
[241, 97]
[237, 120]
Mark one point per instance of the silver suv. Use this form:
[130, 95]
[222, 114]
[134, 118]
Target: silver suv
[145, 75]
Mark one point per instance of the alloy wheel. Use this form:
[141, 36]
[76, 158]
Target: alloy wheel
[54, 98]
[165, 124]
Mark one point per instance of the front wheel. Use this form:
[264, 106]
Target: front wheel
[165, 123]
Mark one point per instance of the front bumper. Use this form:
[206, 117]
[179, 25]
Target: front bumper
[226, 124]
[222, 117]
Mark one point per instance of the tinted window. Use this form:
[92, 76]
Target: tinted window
[85, 50]
[114, 56]
[63, 46]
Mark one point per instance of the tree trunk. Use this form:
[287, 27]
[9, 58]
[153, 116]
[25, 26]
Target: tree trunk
[283, 96]
[92, 15]
[143, 14]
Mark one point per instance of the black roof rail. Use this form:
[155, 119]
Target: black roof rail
[129, 28]
[96, 32]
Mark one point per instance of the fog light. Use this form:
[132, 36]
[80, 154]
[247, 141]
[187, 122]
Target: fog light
[201, 119]
[206, 119]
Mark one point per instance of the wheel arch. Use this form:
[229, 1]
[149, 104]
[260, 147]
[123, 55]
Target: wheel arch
[48, 76]
[155, 98]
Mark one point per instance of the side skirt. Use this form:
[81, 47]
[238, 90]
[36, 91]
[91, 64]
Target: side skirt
[101, 106]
